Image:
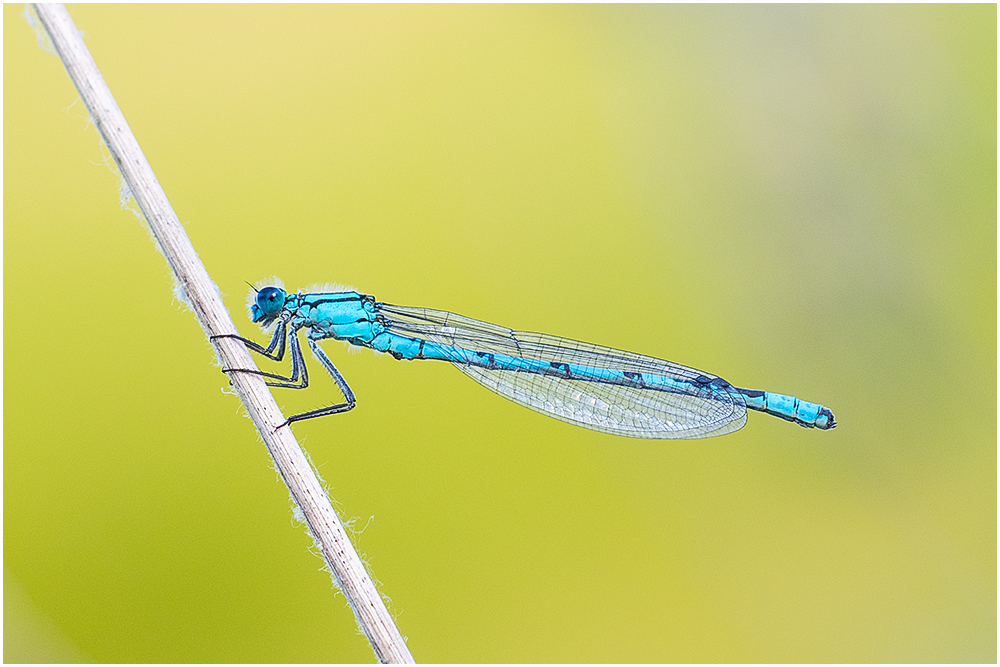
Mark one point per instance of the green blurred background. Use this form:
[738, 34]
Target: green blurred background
[800, 199]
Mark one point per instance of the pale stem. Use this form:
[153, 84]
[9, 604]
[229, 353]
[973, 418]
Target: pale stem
[204, 298]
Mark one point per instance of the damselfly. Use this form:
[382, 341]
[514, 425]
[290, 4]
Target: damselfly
[595, 387]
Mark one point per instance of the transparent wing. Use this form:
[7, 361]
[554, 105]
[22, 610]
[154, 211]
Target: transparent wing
[638, 412]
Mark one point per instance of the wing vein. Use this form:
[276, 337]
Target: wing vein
[711, 406]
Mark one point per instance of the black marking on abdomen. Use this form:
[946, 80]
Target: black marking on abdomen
[625, 378]
[634, 377]
[562, 368]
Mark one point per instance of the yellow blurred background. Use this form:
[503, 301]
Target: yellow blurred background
[797, 198]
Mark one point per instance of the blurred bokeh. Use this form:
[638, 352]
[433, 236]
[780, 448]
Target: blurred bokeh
[798, 198]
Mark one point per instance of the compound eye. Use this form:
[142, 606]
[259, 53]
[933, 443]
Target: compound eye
[270, 300]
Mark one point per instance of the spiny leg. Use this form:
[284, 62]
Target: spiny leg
[277, 340]
[298, 365]
[341, 384]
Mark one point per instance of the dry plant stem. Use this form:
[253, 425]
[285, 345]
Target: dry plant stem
[204, 298]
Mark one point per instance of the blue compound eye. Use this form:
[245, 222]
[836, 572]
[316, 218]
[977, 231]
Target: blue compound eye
[270, 300]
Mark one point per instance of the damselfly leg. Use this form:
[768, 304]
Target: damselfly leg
[299, 379]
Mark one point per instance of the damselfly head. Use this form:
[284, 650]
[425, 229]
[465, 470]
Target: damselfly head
[267, 305]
